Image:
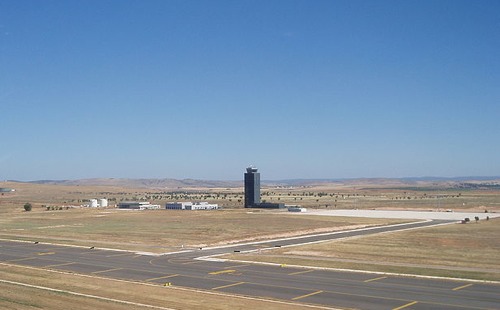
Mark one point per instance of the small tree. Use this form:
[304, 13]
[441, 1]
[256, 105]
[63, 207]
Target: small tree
[28, 206]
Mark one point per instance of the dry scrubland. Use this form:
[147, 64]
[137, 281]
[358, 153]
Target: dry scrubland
[153, 230]
[166, 230]
[354, 195]
[469, 251]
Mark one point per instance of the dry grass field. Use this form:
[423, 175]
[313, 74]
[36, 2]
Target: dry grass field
[367, 194]
[26, 288]
[51, 220]
[457, 250]
[469, 251]
[164, 230]
[155, 231]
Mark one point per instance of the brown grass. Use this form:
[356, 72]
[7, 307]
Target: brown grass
[470, 251]
[362, 195]
[14, 296]
[457, 250]
[164, 230]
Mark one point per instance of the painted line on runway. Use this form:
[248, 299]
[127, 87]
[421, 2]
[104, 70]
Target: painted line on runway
[45, 253]
[49, 248]
[406, 306]
[58, 265]
[164, 277]
[181, 261]
[20, 259]
[236, 266]
[222, 271]
[374, 279]
[300, 272]
[461, 287]
[307, 295]
[107, 270]
[191, 263]
[229, 285]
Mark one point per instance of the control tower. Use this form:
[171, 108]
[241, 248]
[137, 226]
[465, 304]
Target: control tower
[252, 187]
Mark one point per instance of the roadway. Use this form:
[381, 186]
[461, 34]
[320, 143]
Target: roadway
[199, 269]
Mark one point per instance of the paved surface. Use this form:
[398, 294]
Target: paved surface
[386, 214]
[312, 286]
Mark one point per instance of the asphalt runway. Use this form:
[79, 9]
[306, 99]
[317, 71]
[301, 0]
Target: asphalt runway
[329, 288]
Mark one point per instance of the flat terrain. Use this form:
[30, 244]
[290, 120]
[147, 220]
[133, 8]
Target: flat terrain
[458, 250]
[57, 216]
[356, 194]
[162, 231]
[467, 251]
[309, 287]
[28, 288]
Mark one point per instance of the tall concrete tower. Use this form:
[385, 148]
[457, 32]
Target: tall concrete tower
[252, 187]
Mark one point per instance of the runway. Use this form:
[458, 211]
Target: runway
[328, 288]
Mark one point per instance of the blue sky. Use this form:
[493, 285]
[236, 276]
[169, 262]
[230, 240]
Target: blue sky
[202, 89]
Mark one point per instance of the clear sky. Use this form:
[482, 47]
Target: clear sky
[202, 89]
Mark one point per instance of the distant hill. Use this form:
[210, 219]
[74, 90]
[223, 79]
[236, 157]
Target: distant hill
[143, 183]
[456, 182]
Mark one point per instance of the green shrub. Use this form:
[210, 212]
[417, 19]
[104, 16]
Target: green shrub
[28, 206]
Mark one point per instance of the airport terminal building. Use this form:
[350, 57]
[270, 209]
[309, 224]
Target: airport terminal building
[191, 206]
[137, 205]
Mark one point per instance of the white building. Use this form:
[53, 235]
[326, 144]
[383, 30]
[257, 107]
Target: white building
[296, 209]
[94, 203]
[138, 205]
[191, 206]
